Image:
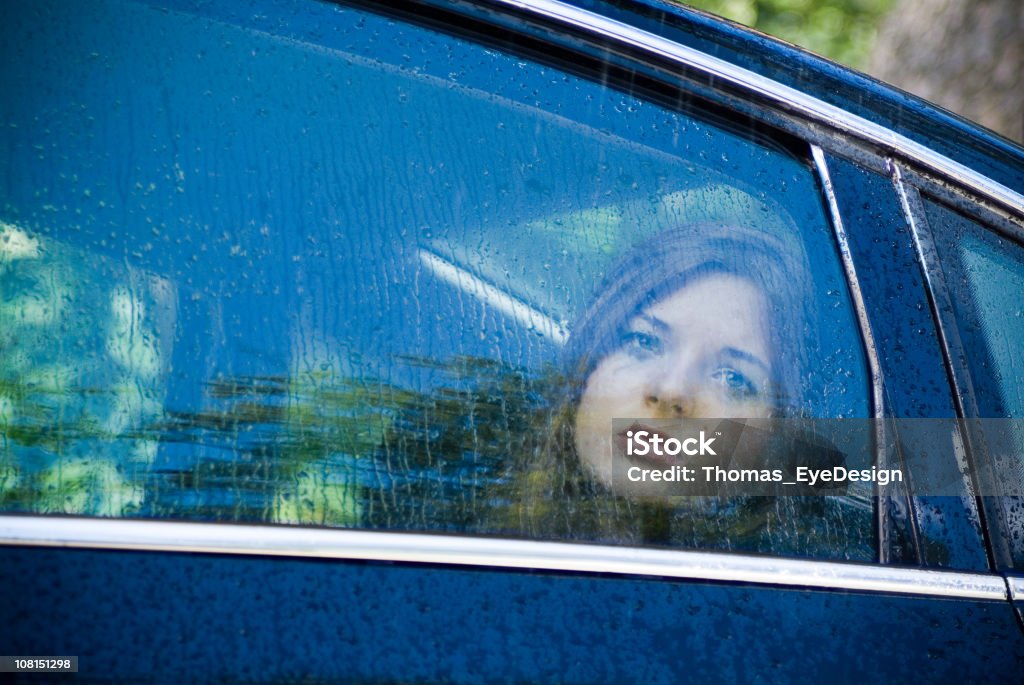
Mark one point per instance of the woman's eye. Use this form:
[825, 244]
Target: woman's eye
[641, 344]
[735, 383]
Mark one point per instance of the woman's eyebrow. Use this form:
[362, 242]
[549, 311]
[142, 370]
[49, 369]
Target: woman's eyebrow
[655, 323]
[743, 355]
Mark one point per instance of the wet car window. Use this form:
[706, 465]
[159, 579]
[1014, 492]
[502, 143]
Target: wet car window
[985, 274]
[381, 277]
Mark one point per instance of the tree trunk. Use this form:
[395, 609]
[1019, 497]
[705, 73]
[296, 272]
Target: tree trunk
[964, 55]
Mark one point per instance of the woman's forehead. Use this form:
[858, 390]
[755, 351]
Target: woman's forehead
[712, 295]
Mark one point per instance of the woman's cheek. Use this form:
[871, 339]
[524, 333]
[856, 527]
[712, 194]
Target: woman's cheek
[711, 403]
[594, 443]
[752, 409]
[615, 387]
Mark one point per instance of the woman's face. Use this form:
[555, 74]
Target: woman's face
[701, 352]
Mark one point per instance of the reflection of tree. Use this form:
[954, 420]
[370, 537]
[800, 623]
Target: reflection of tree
[446, 456]
[53, 460]
[306, 449]
[348, 451]
[83, 341]
[269, 449]
[486, 448]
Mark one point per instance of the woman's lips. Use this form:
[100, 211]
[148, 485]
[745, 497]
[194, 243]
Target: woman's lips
[649, 459]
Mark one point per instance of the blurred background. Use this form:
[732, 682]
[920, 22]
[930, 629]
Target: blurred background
[964, 55]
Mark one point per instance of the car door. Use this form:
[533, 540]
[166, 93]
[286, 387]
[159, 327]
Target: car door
[304, 304]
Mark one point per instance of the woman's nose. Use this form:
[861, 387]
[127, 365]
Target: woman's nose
[669, 391]
[664, 404]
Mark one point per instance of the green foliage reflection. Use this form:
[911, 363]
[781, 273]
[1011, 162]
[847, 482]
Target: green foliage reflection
[351, 451]
[485, 448]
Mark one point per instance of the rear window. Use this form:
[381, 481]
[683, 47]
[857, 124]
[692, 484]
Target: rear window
[375, 276]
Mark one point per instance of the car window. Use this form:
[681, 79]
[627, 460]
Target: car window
[382, 277]
[988, 274]
[984, 270]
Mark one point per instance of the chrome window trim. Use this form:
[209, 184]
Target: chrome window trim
[831, 115]
[997, 219]
[1016, 588]
[851, 276]
[868, 338]
[323, 543]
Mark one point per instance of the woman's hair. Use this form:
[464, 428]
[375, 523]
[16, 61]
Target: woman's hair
[670, 260]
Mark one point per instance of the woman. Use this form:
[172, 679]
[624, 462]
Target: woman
[703, 321]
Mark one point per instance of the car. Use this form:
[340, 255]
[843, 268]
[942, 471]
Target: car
[340, 342]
